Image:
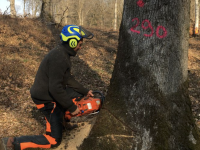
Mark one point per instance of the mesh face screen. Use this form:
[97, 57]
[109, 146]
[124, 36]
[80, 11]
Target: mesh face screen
[85, 33]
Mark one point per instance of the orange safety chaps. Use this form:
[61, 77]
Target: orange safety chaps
[54, 116]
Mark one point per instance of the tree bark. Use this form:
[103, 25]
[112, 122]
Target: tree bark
[46, 10]
[115, 20]
[149, 87]
[12, 8]
[24, 9]
[196, 17]
[37, 5]
[80, 11]
[192, 17]
[32, 9]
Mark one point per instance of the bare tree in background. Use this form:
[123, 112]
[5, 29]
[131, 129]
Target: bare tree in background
[196, 28]
[115, 20]
[84, 7]
[102, 14]
[12, 8]
[24, 9]
[82, 12]
[44, 9]
[192, 16]
[36, 7]
[32, 7]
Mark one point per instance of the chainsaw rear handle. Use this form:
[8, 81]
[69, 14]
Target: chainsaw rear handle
[69, 115]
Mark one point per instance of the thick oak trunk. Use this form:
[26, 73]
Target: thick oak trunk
[149, 86]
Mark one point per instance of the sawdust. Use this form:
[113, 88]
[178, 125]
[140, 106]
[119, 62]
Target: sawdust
[79, 136]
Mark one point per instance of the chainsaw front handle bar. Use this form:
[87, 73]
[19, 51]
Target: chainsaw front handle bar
[101, 94]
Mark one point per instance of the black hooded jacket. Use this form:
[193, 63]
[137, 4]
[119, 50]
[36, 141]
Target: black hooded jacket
[52, 77]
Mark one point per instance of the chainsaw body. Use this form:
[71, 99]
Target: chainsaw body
[87, 105]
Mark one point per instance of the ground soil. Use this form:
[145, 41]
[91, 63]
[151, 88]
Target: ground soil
[23, 44]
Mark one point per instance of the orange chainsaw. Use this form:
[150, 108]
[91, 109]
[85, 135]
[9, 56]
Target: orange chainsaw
[87, 105]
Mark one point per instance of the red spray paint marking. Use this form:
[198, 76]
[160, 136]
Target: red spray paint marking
[150, 27]
[140, 3]
[133, 28]
[164, 32]
[146, 27]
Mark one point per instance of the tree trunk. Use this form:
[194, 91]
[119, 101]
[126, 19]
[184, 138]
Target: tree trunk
[149, 86]
[42, 14]
[115, 20]
[24, 10]
[32, 9]
[81, 18]
[66, 14]
[80, 11]
[196, 17]
[36, 8]
[45, 10]
[192, 17]
[12, 8]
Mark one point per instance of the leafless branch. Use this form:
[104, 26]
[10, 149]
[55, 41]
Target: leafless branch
[26, 15]
[6, 10]
[63, 16]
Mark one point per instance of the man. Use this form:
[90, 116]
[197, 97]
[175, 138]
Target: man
[54, 88]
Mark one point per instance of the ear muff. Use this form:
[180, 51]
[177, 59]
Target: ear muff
[73, 43]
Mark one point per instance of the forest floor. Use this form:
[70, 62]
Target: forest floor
[24, 43]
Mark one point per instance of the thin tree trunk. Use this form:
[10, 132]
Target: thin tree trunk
[12, 8]
[196, 17]
[115, 20]
[24, 10]
[32, 5]
[67, 13]
[36, 8]
[82, 17]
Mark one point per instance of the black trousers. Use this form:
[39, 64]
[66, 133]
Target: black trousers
[54, 114]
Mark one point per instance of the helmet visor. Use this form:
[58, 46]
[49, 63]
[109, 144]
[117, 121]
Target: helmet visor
[85, 33]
